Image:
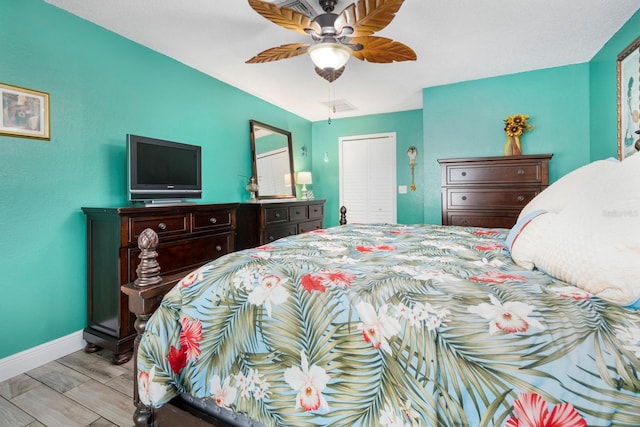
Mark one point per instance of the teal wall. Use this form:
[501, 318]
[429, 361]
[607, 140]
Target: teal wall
[603, 93]
[102, 86]
[408, 128]
[466, 120]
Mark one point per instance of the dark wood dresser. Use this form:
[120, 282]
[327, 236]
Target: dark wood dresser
[491, 191]
[261, 223]
[189, 236]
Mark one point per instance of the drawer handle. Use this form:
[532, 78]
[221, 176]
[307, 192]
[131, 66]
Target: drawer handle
[463, 174]
[520, 198]
[297, 212]
[464, 197]
[520, 171]
[464, 222]
[271, 238]
[218, 248]
[213, 220]
[277, 215]
[162, 226]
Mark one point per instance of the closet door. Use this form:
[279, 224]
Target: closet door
[368, 178]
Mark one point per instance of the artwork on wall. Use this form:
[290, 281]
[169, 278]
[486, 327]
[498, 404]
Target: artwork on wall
[628, 98]
[25, 112]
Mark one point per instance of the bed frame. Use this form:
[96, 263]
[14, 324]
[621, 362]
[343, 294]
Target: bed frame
[145, 295]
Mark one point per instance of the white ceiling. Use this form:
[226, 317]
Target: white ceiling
[455, 40]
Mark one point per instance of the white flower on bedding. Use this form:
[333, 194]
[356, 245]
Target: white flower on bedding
[377, 328]
[269, 291]
[630, 338]
[309, 382]
[248, 277]
[496, 263]
[422, 314]
[390, 418]
[440, 244]
[345, 260]
[223, 394]
[510, 317]
[328, 247]
[150, 392]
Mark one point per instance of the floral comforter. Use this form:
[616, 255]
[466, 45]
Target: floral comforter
[390, 325]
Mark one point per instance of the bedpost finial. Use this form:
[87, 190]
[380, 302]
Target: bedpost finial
[148, 270]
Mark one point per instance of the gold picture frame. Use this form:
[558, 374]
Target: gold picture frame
[628, 70]
[25, 112]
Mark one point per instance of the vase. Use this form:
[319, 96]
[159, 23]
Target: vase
[512, 146]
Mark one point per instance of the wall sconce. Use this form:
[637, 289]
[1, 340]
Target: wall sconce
[304, 178]
[412, 152]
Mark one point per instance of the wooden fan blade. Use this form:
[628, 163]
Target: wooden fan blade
[285, 17]
[330, 75]
[281, 52]
[382, 50]
[367, 16]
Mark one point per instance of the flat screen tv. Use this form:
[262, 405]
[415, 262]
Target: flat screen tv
[160, 171]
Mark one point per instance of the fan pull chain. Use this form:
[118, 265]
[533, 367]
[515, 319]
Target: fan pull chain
[332, 105]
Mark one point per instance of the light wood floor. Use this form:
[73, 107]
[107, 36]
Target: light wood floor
[79, 389]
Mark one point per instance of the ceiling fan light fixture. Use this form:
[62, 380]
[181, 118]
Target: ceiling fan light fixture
[329, 55]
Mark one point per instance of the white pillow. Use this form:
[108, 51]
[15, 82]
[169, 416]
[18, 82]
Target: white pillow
[594, 242]
[573, 186]
[525, 239]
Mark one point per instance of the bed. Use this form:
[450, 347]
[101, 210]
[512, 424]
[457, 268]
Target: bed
[408, 325]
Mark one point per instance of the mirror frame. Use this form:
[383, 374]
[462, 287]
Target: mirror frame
[254, 166]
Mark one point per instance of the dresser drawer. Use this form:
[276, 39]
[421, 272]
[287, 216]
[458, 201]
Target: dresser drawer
[272, 234]
[165, 225]
[184, 255]
[316, 211]
[489, 198]
[210, 220]
[276, 214]
[483, 219]
[510, 174]
[297, 213]
[305, 227]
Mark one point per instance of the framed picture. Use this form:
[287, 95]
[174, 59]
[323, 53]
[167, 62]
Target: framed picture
[25, 112]
[628, 99]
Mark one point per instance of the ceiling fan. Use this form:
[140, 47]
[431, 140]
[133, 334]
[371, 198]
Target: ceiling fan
[336, 37]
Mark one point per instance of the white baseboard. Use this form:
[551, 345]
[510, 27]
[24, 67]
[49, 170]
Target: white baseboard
[24, 361]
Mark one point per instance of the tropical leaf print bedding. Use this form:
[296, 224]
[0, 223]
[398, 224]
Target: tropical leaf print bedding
[389, 325]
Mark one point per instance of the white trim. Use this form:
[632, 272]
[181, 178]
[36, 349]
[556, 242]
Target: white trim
[26, 360]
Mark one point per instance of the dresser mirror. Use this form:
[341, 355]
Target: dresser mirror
[272, 157]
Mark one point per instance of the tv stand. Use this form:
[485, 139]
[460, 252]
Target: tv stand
[190, 236]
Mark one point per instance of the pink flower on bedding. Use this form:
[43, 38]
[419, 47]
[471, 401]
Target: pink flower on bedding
[388, 248]
[312, 283]
[264, 248]
[496, 277]
[531, 411]
[177, 358]
[190, 337]
[489, 247]
[510, 317]
[486, 232]
[377, 327]
[319, 281]
[190, 279]
[309, 382]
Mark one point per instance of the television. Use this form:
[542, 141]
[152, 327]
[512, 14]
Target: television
[162, 172]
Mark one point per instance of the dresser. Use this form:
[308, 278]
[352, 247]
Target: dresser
[264, 222]
[189, 236]
[490, 191]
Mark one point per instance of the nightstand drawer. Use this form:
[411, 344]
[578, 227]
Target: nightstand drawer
[316, 211]
[165, 225]
[511, 174]
[489, 198]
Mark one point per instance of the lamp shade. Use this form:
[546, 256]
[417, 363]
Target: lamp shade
[304, 178]
[329, 55]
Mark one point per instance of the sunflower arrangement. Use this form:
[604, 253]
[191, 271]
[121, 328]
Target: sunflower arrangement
[515, 126]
